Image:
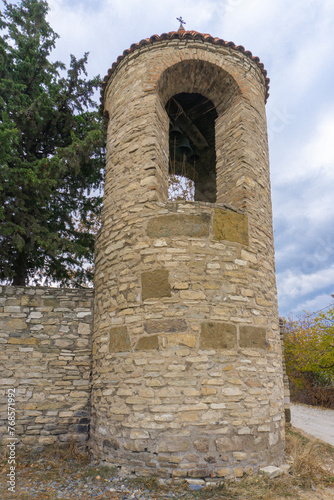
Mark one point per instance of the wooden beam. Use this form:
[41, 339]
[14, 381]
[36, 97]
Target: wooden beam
[188, 126]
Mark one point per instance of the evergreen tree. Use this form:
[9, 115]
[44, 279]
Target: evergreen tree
[51, 154]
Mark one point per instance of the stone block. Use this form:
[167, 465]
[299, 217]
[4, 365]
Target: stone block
[173, 445]
[51, 303]
[253, 337]
[196, 226]
[155, 284]
[111, 444]
[51, 406]
[238, 472]
[199, 473]
[202, 445]
[147, 343]
[136, 445]
[271, 471]
[16, 324]
[223, 472]
[181, 339]
[139, 434]
[230, 226]
[165, 325]
[226, 444]
[119, 339]
[21, 341]
[239, 455]
[218, 336]
[192, 295]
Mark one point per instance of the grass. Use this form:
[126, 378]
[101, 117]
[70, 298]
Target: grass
[312, 465]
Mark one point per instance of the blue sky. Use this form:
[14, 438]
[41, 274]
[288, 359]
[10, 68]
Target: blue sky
[295, 41]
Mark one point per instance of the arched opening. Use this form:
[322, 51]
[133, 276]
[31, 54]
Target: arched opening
[192, 151]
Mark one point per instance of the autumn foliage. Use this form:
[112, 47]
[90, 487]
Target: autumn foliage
[309, 357]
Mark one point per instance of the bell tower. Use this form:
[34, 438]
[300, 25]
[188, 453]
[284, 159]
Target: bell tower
[187, 363]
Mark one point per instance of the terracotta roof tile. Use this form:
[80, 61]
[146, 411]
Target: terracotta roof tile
[183, 35]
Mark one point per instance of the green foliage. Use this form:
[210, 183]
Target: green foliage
[51, 155]
[309, 349]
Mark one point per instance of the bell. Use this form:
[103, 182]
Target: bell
[175, 132]
[195, 156]
[184, 148]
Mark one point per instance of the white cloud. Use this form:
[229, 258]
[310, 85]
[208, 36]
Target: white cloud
[317, 303]
[294, 285]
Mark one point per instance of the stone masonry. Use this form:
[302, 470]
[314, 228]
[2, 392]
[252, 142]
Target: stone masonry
[45, 355]
[187, 376]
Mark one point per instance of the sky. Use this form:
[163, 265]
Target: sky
[295, 42]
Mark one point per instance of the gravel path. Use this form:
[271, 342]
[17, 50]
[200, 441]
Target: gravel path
[315, 421]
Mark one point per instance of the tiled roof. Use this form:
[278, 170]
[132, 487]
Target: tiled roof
[183, 35]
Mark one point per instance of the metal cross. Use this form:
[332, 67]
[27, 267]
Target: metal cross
[181, 21]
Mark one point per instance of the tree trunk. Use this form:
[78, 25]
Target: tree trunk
[20, 270]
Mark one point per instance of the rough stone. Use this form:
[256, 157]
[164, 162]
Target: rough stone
[119, 340]
[16, 324]
[23, 341]
[196, 226]
[44, 376]
[253, 337]
[147, 343]
[181, 339]
[166, 325]
[202, 445]
[271, 471]
[155, 284]
[223, 472]
[230, 226]
[218, 336]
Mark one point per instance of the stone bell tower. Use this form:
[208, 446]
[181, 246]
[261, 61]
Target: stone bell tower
[187, 369]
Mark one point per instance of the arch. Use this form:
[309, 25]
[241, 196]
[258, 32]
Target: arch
[192, 153]
[194, 77]
[202, 77]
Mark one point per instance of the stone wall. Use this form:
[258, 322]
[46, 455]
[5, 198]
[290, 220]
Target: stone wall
[187, 373]
[45, 336]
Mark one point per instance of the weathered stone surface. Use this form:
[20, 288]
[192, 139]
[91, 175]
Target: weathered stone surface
[165, 325]
[185, 339]
[111, 444]
[47, 377]
[199, 473]
[16, 324]
[271, 471]
[51, 303]
[23, 341]
[196, 226]
[202, 445]
[218, 336]
[230, 226]
[226, 444]
[173, 445]
[50, 406]
[253, 337]
[155, 284]
[223, 472]
[192, 295]
[238, 472]
[147, 343]
[119, 339]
